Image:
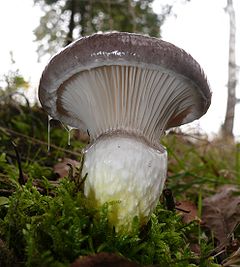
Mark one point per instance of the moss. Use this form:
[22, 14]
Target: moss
[53, 230]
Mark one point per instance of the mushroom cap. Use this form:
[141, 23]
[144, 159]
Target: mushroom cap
[110, 59]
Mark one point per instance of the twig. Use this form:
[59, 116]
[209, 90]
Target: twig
[21, 178]
[79, 179]
[193, 136]
[222, 247]
[6, 192]
[170, 203]
[37, 141]
[185, 211]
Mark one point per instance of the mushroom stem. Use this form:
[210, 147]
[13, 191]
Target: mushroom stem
[127, 170]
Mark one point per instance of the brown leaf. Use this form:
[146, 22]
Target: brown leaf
[62, 168]
[221, 212]
[82, 136]
[188, 210]
[233, 260]
[189, 213]
[103, 259]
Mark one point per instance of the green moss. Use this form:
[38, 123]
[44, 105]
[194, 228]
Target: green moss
[54, 230]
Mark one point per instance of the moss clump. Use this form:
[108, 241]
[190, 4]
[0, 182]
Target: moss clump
[55, 229]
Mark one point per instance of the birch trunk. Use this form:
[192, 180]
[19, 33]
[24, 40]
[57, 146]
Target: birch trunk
[227, 127]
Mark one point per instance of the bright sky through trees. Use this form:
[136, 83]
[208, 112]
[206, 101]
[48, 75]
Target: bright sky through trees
[200, 27]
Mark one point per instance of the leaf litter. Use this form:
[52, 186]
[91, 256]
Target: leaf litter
[221, 214]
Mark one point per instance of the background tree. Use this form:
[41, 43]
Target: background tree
[227, 127]
[12, 84]
[65, 20]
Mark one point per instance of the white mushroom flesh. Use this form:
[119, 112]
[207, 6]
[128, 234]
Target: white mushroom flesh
[126, 170]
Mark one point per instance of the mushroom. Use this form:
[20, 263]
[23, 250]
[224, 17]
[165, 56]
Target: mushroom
[124, 89]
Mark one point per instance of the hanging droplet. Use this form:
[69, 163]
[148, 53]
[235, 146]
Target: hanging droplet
[69, 137]
[49, 133]
[69, 129]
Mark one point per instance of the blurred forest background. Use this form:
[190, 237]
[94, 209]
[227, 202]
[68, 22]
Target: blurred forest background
[203, 174]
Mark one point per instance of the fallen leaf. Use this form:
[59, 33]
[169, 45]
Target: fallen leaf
[82, 136]
[221, 213]
[62, 168]
[189, 213]
[233, 260]
[188, 210]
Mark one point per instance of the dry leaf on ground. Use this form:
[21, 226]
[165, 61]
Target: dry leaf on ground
[62, 168]
[188, 210]
[233, 260]
[189, 213]
[221, 212]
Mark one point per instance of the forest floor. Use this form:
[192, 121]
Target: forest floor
[45, 219]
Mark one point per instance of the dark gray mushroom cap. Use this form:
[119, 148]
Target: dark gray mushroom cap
[122, 49]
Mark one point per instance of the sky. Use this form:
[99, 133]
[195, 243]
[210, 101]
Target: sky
[200, 27]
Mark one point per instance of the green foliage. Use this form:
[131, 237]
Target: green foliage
[12, 83]
[27, 127]
[64, 21]
[5, 168]
[200, 165]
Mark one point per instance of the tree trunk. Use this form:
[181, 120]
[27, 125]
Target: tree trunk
[227, 127]
[83, 21]
[71, 25]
